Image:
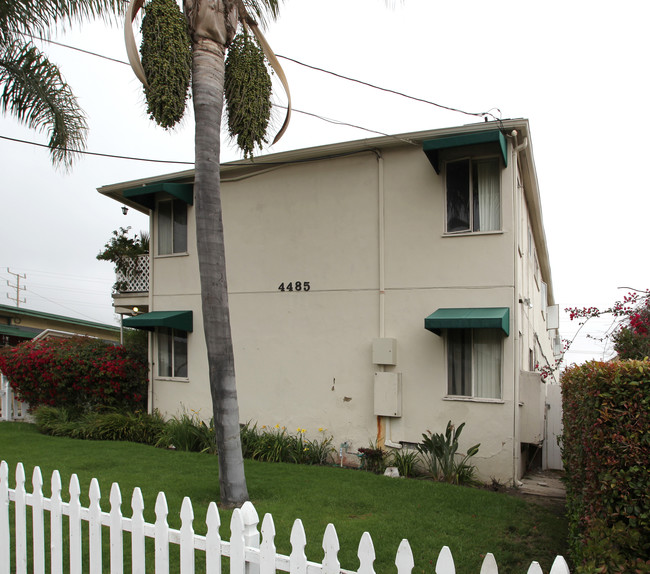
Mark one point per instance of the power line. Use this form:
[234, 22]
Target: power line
[112, 156]
[422, 100]
[77, 49]
[318, 69]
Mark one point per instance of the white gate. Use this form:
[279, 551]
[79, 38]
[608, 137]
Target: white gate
[552, 454]
[11, 409]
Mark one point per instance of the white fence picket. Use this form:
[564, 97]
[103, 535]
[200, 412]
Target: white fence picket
[298, 558]
[137, 533]
[445, 563]
[251, 551]
[187, 537]
[116, 533]
[559, 566]
[366, 554]
[213, 540]
[95, 528]
[251, 534]
[21, 521]
[237, 549]
[161, 544]
[38, 522]
[404, 559]
[331, 547]
[489, 565]
[74, 507]
[267, 548]
[5, 530]
[56, 525]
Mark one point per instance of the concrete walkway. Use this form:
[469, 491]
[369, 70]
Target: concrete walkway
[545, 483]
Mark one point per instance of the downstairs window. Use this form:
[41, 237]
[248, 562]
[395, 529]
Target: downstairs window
[474, 363]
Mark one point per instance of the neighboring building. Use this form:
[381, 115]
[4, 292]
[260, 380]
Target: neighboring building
[378, 288]
[18, 324]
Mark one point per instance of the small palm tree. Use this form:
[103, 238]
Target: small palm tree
[33, 89]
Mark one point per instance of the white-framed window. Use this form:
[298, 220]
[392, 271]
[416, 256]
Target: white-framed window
[474, 363]
[172, 353]
[172, 226]
[473, 195]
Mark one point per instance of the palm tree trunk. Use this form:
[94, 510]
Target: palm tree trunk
[207, 90]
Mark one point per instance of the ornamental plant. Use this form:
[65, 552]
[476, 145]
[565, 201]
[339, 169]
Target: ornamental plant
[276, 444]
[122, 250]
[629, 333]
[606, 455]
[79, 373]
[442, 459]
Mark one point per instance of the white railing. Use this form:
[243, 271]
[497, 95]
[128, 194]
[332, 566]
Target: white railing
[135, 277]
[247, 554]
[11, 409]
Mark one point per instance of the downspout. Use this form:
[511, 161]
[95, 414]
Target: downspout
[515, 305]
[151, 334]
[382, 288]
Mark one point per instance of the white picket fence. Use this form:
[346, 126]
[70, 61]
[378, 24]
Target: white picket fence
[248, 553]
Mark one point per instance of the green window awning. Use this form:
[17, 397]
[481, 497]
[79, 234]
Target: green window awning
[181, 320]
[24, 332]
[146, 194]
[469, 318]
[432, 147]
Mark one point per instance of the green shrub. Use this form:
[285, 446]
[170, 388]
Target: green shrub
[190, 433]
[441, 456]
[373, 458]
[606, 455]
[109, 425]
[78, 373]
[275, 444]
[406, 461]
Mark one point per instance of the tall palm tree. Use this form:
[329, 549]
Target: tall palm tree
[212, 25]
[33, 89]
[207, 96]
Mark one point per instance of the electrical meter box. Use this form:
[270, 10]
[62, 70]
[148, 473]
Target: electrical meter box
[384, 351]
[388, 394]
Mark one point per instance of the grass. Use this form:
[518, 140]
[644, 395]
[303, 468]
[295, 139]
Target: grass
[430, 515]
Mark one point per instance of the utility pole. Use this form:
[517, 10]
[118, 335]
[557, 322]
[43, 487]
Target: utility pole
[17, 287]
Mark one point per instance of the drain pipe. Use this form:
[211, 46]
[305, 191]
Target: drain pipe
[382, 286]
[515, 302]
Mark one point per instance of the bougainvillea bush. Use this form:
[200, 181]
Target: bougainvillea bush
[606, 453]
[80, 372]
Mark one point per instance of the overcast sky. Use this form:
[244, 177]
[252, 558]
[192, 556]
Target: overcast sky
[577, 70]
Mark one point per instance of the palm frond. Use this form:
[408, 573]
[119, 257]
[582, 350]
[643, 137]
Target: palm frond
[38, 17]
[263, 10]
[36, 94]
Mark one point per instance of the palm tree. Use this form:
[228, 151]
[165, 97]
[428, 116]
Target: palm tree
[212, 25]
[33, 89]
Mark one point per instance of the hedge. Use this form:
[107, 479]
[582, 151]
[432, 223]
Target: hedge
[80, 372]
[606, 454]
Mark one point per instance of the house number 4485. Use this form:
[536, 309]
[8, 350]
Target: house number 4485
[295, 286]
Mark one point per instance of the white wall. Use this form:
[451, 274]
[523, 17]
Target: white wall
[303, 359]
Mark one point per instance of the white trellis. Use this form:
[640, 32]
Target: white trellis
[251, 551]
[134, 278]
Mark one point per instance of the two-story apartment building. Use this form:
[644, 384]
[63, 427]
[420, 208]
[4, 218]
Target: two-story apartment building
[378, 288]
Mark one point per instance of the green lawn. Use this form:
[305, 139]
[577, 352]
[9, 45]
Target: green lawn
[430, 515]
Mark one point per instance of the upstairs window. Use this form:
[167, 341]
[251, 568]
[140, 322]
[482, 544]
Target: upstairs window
[473, 195]
[172, 227]
[474, 363]
[172, 353]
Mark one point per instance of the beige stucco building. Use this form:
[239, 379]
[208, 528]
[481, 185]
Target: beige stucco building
[378, 288]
